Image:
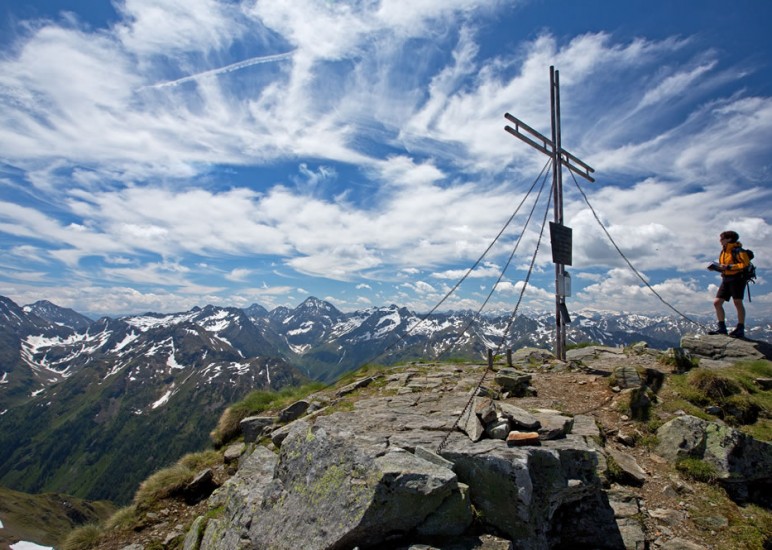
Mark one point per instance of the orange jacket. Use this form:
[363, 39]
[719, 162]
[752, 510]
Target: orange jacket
[736, 261]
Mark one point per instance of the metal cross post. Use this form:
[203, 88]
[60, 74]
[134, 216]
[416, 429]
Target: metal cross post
[560, 157]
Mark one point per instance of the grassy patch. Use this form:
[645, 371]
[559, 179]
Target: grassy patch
[257, 402]
[742, 402]
[122, 520]
[202, 460]
[162, 484]
[697, 469]
[83, 538]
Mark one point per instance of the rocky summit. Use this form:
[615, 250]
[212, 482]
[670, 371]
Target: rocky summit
[587, 453]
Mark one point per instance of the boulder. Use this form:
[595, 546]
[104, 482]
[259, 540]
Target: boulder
[518, 490]
[743, 463]
[682, 437]
[328, 492]
[253, 427]
[725, 348]
[513, 381]
[200, 487]
[294, 411]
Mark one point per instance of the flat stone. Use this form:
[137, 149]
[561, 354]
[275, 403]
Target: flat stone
[585, 425]
[522, 438]
[233, 452]
[634, 473]
[520, 418]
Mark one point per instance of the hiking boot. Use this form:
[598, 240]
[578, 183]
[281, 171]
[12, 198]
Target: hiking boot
[720, 330]
[738, 332]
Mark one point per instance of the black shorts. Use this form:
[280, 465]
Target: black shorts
[731, 288]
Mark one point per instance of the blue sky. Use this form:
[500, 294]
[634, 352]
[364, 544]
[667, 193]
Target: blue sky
[161, 154]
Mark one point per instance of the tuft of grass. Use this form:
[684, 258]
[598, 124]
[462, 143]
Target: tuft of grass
[83, 538]
[201, 460]
[716, 387]
[254, 403]
[122, 520]
[697, 469]
[162, 484]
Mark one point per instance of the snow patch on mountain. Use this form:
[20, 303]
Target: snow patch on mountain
[148, 322]
[164, 399]
[4, 379]
[127, 340]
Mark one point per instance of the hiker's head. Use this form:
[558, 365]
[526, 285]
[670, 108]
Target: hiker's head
[730, 236]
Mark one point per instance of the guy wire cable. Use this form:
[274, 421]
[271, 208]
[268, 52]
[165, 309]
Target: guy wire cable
[503, 271]
[645, 282]
[469, 271]
[504, 334]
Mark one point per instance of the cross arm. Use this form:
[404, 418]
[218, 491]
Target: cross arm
[540, 142]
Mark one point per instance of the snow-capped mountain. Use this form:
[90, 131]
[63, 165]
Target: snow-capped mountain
[58, 315]
[105, 406]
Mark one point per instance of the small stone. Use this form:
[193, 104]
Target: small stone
[523, 438]
[233, 452]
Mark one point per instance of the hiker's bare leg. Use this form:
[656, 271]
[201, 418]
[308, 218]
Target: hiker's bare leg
[740, 311]
[718, 303]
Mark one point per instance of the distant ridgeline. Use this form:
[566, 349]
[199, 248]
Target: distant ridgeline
[90, 408]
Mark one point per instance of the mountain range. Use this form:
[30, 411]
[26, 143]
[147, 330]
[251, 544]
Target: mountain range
[91, 408]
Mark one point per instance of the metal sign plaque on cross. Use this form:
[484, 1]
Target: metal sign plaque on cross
[560, 239]
[560, 157]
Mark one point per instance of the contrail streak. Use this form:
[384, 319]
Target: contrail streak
[221, 70]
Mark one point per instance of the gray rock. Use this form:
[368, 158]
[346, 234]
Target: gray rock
[514, 382]
[585, 425]
[485, 409]
[431, 456]
[720, 347]
[452, 517]
[627, 377]
[294, 411]
[632, 473]
[520, 418]
[518, 489]
[200, 487]
[743, 463]
[553, 425]
[234, 452]
[533, 356]
[498, 430]
[195, 533]
[253, 427]
[363, 383]
[624, 503]
[470, 423]
[681, 437]
[328, 492]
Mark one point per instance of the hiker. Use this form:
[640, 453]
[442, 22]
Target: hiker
[731, 264]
